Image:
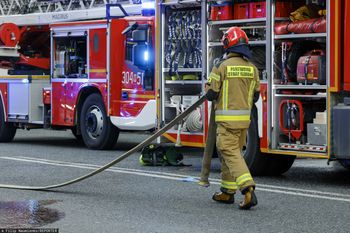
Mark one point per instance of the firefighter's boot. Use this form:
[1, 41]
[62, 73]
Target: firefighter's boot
[250, 199]
[225, 196]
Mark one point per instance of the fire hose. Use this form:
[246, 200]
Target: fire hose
[118, 159]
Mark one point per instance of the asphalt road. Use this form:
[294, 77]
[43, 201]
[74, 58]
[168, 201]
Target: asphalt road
[311, 197]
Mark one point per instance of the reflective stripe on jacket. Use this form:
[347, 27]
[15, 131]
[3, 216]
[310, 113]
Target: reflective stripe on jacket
[235, 79]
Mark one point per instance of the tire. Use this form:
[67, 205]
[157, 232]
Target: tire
[7, 130]
[261, 164]
[97, 130]
[279, 164]
[345, 163]
[255, 161]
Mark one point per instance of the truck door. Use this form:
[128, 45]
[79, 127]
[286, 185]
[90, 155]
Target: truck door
[69, 71]
[132, 83]
[115, 63]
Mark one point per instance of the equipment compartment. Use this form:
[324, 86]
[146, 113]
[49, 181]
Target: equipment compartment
[182, 65]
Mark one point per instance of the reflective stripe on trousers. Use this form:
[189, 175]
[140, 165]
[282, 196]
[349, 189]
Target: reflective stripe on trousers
[243, 179]
[231, 185]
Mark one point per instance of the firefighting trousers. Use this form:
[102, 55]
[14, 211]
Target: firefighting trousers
[234, 171]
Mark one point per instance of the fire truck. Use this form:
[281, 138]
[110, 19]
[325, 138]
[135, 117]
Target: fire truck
[64, 67]
[97, 69]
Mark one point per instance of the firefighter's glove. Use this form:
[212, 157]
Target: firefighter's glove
[211, 95]
[305, 12]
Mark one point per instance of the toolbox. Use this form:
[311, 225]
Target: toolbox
[257, 9]
[223, 11]
[317, 134]
[241, 10]
[312, 68]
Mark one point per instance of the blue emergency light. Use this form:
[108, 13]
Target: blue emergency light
[148, 8]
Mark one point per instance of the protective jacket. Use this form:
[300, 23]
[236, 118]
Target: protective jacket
[233, 81]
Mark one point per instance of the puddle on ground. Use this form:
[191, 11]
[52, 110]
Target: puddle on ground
[28, 214]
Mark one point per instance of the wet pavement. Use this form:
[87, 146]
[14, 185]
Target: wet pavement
[28, 214]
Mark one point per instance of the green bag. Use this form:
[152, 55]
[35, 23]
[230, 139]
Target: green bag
[154, 155]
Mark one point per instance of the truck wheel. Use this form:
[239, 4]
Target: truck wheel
[7, 130]
[345, 163]
[97, 130]
[279, 164]
[256, 162]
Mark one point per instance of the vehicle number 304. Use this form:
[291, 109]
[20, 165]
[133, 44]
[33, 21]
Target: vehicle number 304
[132, 78]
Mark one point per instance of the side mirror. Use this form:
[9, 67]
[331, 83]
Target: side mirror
[132, 27]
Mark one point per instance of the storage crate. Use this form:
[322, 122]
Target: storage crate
[241, 10]
[222, 11]
[283, 8]
[257, 9]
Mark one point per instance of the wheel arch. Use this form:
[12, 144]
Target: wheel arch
[83, 94]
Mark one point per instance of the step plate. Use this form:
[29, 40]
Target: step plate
[299, 147]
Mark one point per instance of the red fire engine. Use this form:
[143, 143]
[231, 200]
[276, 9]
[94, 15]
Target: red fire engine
[134, 73]
[75, 75]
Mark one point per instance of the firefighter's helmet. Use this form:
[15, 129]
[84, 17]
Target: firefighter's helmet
[234, 36]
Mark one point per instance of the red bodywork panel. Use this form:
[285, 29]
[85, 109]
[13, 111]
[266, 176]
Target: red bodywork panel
[98, 53]
[117, 57]
[336, 29]
[38, 62]
[65, 99]
[263, 140]
[346, 61]
[58, 107]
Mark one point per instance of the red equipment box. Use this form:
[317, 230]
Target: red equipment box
[257, 9]
[241, 11]
[222, 11]
[283, 8]
[312, 68]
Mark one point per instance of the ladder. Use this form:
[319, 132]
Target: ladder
[41, 12]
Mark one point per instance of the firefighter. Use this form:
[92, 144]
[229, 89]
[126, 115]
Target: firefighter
[234, 83]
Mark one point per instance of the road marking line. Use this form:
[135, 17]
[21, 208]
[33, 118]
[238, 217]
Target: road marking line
[183, 176]
[179, 177]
